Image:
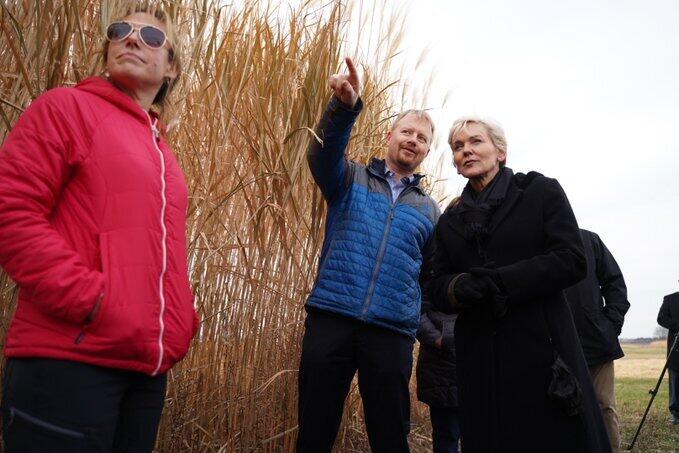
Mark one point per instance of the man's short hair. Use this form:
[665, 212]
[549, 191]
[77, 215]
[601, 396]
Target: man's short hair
[420, 114]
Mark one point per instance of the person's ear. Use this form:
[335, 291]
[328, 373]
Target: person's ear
[501, 155]
[172, 72]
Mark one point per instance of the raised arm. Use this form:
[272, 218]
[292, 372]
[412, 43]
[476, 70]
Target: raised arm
[326, 157]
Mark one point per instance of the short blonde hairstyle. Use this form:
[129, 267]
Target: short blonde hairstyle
[494, 130]
[420, 114]
[174, 53]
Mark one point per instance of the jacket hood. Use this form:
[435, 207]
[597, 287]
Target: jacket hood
[108, 91]
[524, 180]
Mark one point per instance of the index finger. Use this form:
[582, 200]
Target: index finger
[352, 68]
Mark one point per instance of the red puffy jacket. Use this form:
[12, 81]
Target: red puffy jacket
[93, 208]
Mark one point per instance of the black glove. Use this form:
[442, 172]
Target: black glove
[489, 272]
[472, 290]
[499, 302]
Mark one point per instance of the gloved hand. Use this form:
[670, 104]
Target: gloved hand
[489, 272]
[468, 290]
[499, 302]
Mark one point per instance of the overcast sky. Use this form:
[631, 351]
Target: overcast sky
[587, 92]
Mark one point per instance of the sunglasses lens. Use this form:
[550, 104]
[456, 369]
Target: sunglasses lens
[118, 31]
[152, 36]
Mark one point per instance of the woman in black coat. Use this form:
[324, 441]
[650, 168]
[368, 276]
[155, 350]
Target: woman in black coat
[505, 250]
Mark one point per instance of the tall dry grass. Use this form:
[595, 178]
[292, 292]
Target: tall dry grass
[255, 84]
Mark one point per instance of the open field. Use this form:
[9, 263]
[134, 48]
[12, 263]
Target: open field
[641, 361]
[636, 374]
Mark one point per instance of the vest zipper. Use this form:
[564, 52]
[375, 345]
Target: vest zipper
[380, 253]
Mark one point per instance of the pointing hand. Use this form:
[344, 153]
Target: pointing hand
[347, 87]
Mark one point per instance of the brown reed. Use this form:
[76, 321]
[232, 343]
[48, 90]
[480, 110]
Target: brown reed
[240, 121]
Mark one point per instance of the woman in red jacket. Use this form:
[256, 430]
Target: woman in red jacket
[92, 229]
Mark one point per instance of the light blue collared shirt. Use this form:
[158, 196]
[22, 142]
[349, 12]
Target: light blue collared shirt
[397, 185]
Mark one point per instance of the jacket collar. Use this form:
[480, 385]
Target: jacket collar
[512, 197]
[514, 193]
[378, 168]
[106, 90]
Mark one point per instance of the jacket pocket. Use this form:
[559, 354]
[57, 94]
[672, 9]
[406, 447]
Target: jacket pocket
[25, 432]
[610, 331]
[105, 270]
[603, 328]
[92, 324]
[126, 326]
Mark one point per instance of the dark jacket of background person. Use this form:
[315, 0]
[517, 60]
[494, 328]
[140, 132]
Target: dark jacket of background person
[504, 364]
[599, 303]
[668, 317]
[436, 369]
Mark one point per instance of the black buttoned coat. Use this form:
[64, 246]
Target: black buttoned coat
[504, 364]
[668, 317]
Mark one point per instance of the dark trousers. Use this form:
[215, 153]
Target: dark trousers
[445, 428]
[674, 392]
[63, 406]
[333, 350]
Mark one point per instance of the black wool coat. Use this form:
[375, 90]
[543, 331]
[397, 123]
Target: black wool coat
[668, 317]
[504, 364]
[436, 366]
[599, 303]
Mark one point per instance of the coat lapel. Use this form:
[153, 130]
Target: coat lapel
[512, 197]
[456, 224]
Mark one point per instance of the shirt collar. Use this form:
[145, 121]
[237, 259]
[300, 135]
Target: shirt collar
[390, 174]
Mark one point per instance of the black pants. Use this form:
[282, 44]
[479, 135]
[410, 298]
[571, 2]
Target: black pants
[334, 348]
[674, 392]
[445, 429]
[63, 406]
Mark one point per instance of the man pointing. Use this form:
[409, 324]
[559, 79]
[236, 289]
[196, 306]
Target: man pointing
[363, 312]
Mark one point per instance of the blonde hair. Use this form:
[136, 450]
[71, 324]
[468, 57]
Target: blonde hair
[494, 130]
[173, 54]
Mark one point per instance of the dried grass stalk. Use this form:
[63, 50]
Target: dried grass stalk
[255, 84]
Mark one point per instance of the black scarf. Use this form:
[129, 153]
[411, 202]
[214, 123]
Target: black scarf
[476, 209]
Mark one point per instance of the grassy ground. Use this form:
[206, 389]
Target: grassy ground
[636, 374]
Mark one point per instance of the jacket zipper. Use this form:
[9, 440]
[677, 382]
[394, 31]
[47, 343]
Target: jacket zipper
[380, 253]
[154, 138]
